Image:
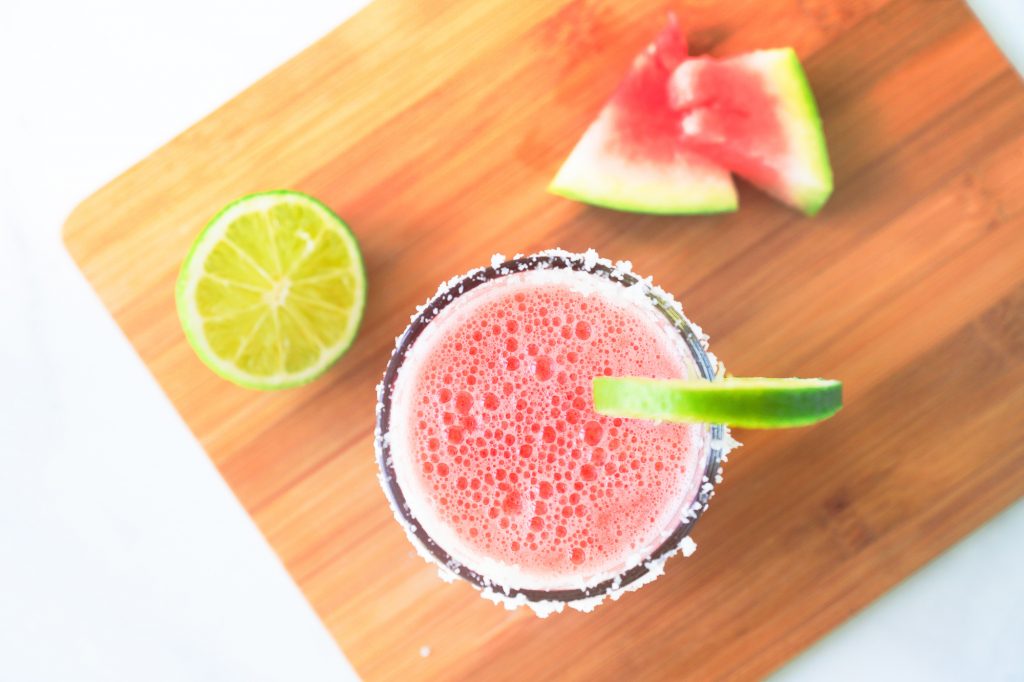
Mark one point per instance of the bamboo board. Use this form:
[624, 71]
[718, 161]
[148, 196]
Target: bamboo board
[433, 128]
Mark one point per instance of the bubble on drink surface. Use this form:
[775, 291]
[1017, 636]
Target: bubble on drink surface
[464, 402]
[543, 368]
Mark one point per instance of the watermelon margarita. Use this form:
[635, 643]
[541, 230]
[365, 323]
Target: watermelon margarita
[493, 456]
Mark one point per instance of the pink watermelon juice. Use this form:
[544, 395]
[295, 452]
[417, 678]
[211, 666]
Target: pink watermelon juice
[498, 452]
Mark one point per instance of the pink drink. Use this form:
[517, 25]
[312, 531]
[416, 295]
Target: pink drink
[499, 453]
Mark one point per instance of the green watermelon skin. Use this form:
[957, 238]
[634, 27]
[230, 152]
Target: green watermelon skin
[633, 158]
[755, 114]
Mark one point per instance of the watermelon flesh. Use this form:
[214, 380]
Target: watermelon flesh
[755, 115]
[633, 157]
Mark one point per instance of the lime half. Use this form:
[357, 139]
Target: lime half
[273, 290]
[754, 403]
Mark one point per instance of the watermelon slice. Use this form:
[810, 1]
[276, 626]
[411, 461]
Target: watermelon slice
[755, 115]
[632, 158]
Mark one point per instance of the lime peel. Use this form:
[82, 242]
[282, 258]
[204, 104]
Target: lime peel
[757, 403]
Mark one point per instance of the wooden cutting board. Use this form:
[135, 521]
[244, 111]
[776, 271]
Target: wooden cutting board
[433, 129]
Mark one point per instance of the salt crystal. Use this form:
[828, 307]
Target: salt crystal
[688, 546]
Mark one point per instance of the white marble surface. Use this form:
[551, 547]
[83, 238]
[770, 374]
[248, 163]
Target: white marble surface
[123, 556]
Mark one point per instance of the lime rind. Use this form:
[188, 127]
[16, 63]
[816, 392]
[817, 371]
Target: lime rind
[758, 403]
[190, 276]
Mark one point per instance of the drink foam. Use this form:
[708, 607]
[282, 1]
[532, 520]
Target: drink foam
[499, 453]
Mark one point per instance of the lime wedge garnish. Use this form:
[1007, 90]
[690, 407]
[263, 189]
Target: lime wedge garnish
[754, 403]
[273, 290]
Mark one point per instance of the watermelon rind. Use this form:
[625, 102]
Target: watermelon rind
[609, 168]
[803, 169]
[598, 173]
[804, 126]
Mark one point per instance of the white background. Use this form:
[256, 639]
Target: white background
[123, 556]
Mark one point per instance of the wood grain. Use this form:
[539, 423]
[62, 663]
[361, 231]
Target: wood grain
[433, 128]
